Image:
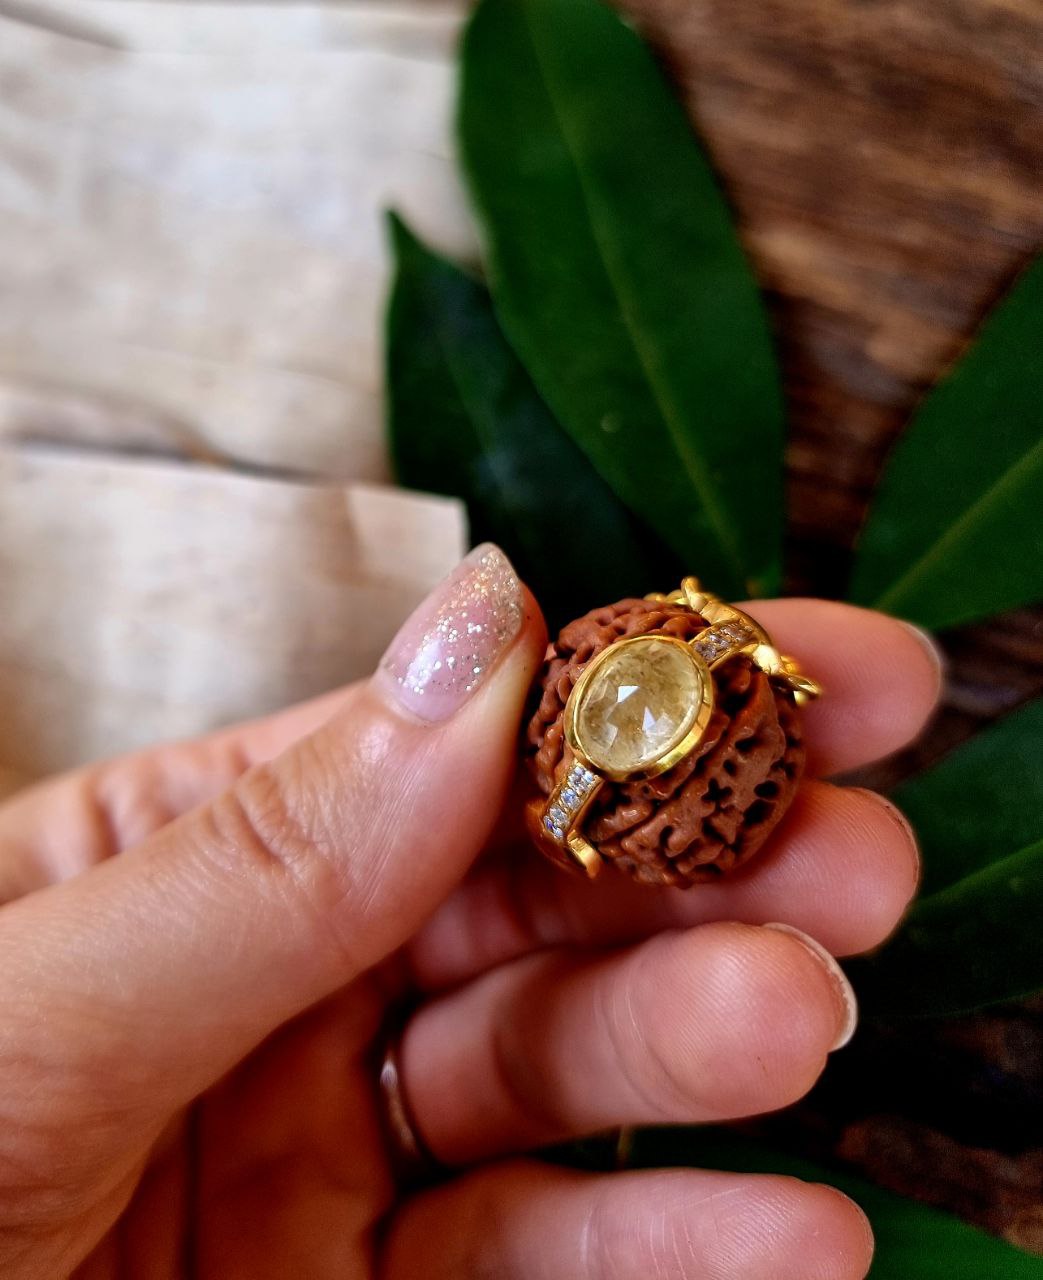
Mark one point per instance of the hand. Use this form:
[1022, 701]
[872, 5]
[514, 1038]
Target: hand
[199, 943]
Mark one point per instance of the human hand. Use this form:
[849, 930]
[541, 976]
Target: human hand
[187, 1082]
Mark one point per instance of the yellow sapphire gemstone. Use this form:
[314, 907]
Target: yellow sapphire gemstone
[640, 706]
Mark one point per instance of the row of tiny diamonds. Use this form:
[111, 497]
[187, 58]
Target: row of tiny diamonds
[567, 800]
[717, 640]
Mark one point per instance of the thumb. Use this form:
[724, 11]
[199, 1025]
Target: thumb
[144, 979]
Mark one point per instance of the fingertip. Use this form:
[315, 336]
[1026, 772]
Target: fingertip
[803, 1004]
[845, 1230]
[534, 619]
[478, 621]
[807, 1231]
[881, 678]
[882, 686]
[933, 652]
[895, 838]
[748, 1016]
[760, 1227]
[532, 640]
[845, 867]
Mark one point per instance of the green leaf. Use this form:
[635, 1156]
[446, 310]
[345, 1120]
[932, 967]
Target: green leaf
[912, 1240]
[956, 529]
[981, 802]
[971, 944]
[618, 278]
[465, 420]
[972, 939]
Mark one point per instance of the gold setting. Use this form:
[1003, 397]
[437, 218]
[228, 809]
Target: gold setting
[729, 632]
[694, 725]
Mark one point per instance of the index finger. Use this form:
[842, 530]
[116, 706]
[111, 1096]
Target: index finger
[881, 678]
[881, 681]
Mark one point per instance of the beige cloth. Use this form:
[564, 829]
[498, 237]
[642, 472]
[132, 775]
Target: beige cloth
[191, 197]
[192, 266]
[143, 601]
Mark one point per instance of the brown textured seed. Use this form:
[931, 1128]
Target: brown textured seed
[716, 808]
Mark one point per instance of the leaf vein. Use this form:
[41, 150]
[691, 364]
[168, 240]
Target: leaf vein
[962, 527]
[694, 467]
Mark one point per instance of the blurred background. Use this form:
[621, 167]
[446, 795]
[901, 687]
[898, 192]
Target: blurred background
[197, 520]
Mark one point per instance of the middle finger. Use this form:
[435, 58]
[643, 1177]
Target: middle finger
[843, 866]
[712, 1023]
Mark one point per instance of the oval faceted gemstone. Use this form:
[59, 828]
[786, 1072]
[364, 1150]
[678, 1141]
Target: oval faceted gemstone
[642, 700]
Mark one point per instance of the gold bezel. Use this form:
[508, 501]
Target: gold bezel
[691, 739]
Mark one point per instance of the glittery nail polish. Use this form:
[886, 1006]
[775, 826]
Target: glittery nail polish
[447, 647]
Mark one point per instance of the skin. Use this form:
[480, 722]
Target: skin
[198, 945]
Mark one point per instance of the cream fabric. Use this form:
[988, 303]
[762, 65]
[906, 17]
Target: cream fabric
[191, 198]
[145, 601]
[193, 269]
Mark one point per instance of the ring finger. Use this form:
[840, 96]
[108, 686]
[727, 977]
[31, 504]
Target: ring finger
[707, 1024]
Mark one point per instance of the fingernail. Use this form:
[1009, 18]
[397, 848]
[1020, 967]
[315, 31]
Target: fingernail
[448, 646]
[903, 824]
[928, 643]
[847, 1001]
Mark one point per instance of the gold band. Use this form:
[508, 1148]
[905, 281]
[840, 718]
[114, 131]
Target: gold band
[411, 1161]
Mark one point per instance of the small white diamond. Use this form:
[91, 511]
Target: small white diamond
[557, 814]
[569, 798]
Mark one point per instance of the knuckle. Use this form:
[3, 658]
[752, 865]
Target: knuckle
[124, 805]
[598, 1243]
[280, 830]
[609, 1246]
[46, 1181]
[651, 1063]
[523, 1083]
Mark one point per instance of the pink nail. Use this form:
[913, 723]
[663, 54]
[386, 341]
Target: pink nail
[447, 647]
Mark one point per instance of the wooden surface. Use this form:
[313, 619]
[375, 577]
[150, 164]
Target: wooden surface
[885, 160]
